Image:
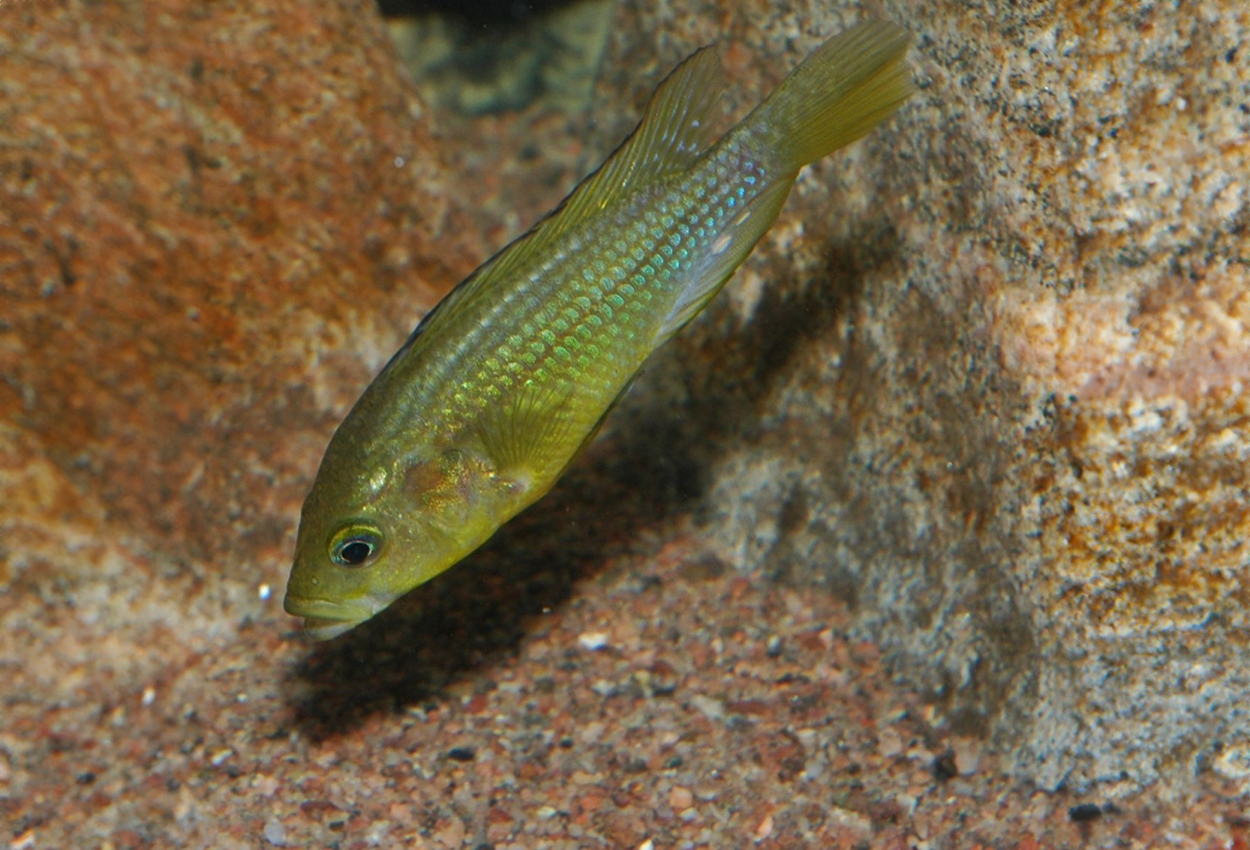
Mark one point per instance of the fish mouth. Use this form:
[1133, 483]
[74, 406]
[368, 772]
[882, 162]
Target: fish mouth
[324, 619]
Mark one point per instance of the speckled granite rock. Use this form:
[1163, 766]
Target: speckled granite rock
[216, 220]
[992, 383]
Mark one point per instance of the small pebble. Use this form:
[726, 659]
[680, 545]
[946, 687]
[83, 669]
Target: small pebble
[452, 834]
[711, 707]
[680, 798]
[592, 640]
[967, 755]
[604, 688]
[275, 832]
[591, 732]
[889, 743]
[944, 766]
[1234, 762]
[851, 821]
[1084, 812]
[265, 785]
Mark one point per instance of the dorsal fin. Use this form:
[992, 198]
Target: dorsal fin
[676, 128]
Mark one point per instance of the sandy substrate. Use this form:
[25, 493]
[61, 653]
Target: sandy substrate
[571, 686]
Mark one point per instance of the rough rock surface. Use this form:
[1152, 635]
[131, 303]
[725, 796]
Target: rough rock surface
[997, 396]
[982, 382]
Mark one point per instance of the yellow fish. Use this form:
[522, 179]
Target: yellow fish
[508, 377]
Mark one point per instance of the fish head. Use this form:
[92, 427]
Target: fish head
[371, 532]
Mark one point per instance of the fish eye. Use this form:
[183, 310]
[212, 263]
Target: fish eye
[355, 545]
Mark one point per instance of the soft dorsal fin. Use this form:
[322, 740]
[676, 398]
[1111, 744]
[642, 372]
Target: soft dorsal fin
[676, 128]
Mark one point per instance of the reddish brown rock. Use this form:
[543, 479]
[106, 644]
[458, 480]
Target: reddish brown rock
[216, 222]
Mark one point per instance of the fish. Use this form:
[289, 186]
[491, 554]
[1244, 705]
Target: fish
[509, 377]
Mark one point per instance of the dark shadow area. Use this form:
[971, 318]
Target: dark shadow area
[489, 14]
[478, 611]
[731, 399]
[656, 462]
[498, 56]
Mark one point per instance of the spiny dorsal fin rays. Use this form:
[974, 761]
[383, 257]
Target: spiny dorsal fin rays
[677, 128]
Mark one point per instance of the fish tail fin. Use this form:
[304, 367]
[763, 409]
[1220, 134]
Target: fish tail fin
[842, 90]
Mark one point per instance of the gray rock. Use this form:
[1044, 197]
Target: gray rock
[985, 379]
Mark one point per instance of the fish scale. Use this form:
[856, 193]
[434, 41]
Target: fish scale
[599, 321]
[503, 383]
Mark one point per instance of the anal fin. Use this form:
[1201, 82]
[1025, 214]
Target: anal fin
[727, 252]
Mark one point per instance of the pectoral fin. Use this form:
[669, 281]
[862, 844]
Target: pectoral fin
[540, 430]
[525, 432]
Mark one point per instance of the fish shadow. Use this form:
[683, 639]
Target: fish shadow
[696, 400]
[465, 622]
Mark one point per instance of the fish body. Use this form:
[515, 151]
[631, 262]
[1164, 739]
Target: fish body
[503, 383]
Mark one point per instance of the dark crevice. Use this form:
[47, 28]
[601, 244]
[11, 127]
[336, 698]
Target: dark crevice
[487, 14]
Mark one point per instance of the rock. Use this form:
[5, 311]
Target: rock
[184, 317]
[463, 59]
[986, 377]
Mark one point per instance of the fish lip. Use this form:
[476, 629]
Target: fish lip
[320, 629]
[324, 618]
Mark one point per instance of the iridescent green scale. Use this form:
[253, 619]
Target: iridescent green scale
[595, 315]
